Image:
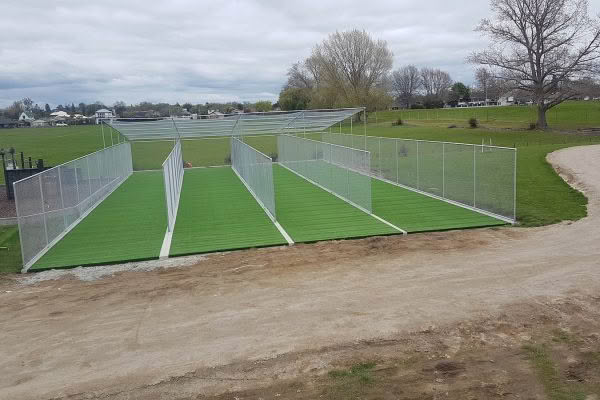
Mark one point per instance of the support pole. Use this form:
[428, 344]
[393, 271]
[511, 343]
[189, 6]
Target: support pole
[103, 140]
[43, 209]
[474, 174]
[365, 123]
[444, 170]
[351, 118]
[397, 164]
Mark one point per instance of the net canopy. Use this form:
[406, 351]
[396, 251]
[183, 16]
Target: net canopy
[268, 123]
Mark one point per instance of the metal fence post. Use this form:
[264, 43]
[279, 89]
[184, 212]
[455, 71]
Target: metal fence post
[103, 140]
[444, 170]
[43, 209]
[379, 158]
[87, 159]
[515, 188]
[62, 201]
[474, 175]
[397, 164]
[418, 165]
[76, 183]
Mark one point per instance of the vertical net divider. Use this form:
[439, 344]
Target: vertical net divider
[255, 171]
[492, 179]
[40, 228]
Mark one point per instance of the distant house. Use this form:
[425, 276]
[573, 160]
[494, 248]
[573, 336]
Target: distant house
[215, 114]
[26, 117]
[60, 115]
[8, 123]
[38, 123]
[104, 115]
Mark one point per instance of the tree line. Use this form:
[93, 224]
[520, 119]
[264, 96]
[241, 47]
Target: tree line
[143, 109]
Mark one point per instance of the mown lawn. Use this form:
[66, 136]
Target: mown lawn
[571, 114]
[54, 145]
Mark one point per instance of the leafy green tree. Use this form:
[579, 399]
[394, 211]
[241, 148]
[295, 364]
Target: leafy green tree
[294, 99]
[459, 92]
[263, 106]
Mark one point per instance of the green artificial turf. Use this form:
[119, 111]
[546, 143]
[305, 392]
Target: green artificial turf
[415, 212]
[216, 212]
[128, 225]
[309, 213]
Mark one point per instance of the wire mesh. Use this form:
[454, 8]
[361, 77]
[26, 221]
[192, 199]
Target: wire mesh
[256, 171]
[478, 176]
[173, 178]
[51, 203]
[339, 169]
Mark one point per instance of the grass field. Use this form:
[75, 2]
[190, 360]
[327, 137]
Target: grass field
[216, 212]
[54, 145]
[129, 225]
[571, 114]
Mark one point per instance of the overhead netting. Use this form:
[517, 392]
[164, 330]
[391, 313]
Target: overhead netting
[270, 123]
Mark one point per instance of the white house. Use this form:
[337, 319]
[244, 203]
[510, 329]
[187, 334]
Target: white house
[26, 117]
[507, 100]
[214, 114]
[104, 115]
[60, 114]
[38, 123]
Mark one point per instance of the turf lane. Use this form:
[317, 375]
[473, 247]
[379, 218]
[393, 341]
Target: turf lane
[309, 213]
[128, 225]
[216, 213]
[415, 212]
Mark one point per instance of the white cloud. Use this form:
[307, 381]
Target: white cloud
[69, 51]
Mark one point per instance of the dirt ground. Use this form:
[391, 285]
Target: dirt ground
[470, 314]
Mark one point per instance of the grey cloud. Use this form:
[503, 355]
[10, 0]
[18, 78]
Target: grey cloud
[198, 51]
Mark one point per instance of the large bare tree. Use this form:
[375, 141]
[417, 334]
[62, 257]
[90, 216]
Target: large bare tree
[437, 83]
[405, 83]
[541, 47]
[353, 63]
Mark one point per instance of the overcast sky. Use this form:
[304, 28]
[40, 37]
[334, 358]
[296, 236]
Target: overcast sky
[66, 51]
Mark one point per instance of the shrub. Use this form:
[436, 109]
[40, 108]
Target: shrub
[417, 106]
[398, 122]
[273, 157]
[532, 126]
[473, 123]
[228, 159]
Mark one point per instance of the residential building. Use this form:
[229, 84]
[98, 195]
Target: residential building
[38, 123]
[26, 117]
[104, 115]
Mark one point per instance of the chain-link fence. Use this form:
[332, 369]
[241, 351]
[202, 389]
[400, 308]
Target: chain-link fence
[339, 169]
[52, 202]
[256, 171]
[173, 177]
[478, 176]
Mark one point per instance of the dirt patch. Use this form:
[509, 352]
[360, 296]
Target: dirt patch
[209, 328]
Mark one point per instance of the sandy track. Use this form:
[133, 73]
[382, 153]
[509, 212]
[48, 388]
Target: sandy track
[122, 334]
